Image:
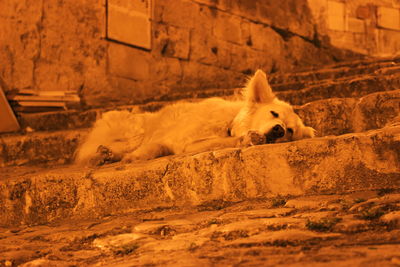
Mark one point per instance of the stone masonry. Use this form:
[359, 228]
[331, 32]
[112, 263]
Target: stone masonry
[369, 27]
[195, 45]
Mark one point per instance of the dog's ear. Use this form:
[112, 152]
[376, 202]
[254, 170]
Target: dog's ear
[258, 89]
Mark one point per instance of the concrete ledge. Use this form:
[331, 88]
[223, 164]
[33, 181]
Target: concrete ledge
[350, 162]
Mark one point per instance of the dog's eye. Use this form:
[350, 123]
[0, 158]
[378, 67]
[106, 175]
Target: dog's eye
[290, 130]
[276, 115]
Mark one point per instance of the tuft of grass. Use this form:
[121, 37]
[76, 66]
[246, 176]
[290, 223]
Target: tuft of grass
[235, 235]
[216, 204]
[214, 221]
[125, 249]
[358, 200]
[278, 201]
[384, 191]
[322, 225]
[193, 247]
[371, 214]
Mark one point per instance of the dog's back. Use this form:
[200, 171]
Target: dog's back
[208, 124]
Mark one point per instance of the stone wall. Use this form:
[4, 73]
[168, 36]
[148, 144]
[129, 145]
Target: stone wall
[370, 27]
[196, 45]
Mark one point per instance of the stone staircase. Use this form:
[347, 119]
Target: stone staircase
[354, 107]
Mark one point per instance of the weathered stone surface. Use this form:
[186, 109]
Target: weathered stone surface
[329, 116]
[218, 237]
[309, 202]
[336, 164]
[173, 41]
[53, 121]
[128, 62]
[344, 115]
[37, 148]
[291, 236]
[228, 28]
[341, 70]
[123, 25]
[392, 218]
[356, 87]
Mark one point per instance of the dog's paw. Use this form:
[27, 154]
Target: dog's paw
[103, 156]
[253, 138]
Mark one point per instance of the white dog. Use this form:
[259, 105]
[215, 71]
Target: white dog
[194, 127]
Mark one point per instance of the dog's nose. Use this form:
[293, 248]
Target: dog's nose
[278, 131]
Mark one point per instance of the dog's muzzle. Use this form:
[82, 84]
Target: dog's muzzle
[276, 132]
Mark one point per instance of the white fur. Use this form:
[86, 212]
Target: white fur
[194, 127]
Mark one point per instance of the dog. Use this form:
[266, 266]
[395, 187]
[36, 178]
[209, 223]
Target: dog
[215, 123]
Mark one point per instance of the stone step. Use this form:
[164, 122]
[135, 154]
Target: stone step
[361, 227]
[352, 162]
[355, 87]
[298, 80]
[341, 69]
[334, 116]
[40, 148]
[340, 78]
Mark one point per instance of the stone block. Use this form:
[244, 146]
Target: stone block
[207, 50]
[199, 76]
[220, 4]
[173, 41]
[266, 39]
[389, 18]
[180, 13]
[228, 28]
[336, 16]
[128, 62]
[129, 23]
[364, 12]
[245, 8]
[245, 32]
[356, 25]
[128, 91]
[203, 48]
[388, 42]
[240, 56]
[166, 73]
[292, 15]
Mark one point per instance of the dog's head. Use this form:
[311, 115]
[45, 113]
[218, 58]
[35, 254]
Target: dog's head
[266, 114]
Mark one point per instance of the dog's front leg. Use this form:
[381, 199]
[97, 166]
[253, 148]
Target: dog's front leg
[252, 138]
[148, 151]
[212, 143]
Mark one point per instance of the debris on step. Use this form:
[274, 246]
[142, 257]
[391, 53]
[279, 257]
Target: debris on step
[37, 101]
[8, 120]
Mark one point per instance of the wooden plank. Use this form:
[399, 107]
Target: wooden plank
[70, 98]
[60, 104]
[8, 121]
